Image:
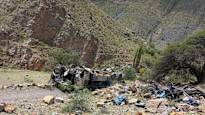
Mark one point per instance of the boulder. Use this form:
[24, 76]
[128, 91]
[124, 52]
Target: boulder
[48, 99]
[9, 108]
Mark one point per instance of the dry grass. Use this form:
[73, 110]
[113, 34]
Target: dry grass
[12, 76]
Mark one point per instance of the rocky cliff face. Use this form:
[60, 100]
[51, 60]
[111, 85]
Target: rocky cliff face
[74, 25]
[162, 21]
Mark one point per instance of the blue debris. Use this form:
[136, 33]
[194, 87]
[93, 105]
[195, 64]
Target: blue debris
[120, 100]
[191, 101]
[162, 94]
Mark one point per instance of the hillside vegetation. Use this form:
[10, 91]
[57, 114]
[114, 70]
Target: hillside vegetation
[161, 21]
[183, 61]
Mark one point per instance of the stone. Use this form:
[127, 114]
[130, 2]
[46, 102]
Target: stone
[48, 99]
[59, 99]
[101, 103]
[109, 97]
[2, 107]
[202, 107]
[148, 95]
[5, 87]
[95, 92]
[1, 87]
[41, 86]
[132, 101]
[9, 108]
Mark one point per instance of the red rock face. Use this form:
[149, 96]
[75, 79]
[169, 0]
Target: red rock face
[47, 24]
[87, 48]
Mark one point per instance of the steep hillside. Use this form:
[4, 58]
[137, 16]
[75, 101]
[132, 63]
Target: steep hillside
[29, 28]
[162, 21]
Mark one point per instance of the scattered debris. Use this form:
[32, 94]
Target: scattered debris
[48, 99]
[140, 104]
[120, 100]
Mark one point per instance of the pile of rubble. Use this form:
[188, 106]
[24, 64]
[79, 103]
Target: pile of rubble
[156, 98]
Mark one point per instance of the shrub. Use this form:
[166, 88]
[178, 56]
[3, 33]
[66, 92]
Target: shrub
[68, 87]
[130, 73]
[59, 55]
[180, 76]
[149, 61]
[188, 56]
[80, 102]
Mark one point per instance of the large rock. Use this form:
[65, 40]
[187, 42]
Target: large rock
[59, 99]
[49, 99]
[9, 108]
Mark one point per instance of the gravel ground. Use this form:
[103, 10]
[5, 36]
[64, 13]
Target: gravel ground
[29, 100]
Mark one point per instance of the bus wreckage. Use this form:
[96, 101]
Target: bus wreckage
[83, 76]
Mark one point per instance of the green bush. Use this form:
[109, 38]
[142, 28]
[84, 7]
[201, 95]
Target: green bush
[180, 76]
[130, 73]
[149, 61]
[59, 55]
[80, 102]
[187, 57]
